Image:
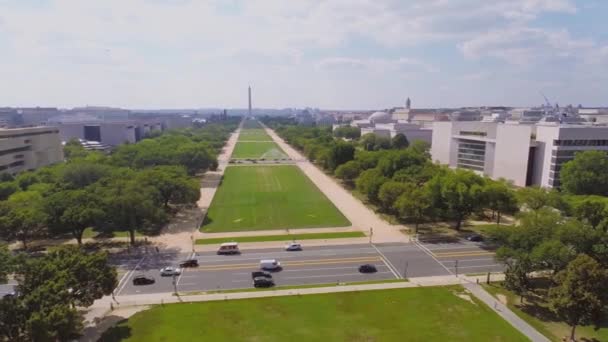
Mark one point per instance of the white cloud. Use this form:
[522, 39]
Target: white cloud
[377, 64]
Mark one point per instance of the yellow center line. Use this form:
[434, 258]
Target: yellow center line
[292, 263]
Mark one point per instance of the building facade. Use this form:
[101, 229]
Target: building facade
[23, 149]
[524, 154]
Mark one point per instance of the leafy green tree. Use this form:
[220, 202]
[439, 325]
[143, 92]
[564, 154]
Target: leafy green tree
[196, 158]
[73, 211]
[368, 142]
[22, 217]
[80, 174]
[173, 184]
[580, 296]
[26, 179]
[516, 275]
[422, 148]
[400, 141]
[348, 171]
[132, 206]
[592, 211]
[369, 183]
[499, 198]
[73, 150]
[552, 254]
[7, 263]
[347, 132]
[12, 319]
[414, 205]
[534, 198]
[586, 174]
[339, 154]
[389, 192]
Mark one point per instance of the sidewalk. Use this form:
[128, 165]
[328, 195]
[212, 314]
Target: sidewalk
[281, 244]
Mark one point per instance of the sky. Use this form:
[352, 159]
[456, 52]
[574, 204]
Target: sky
[330, 54]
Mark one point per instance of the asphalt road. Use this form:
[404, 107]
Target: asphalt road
[313, 265]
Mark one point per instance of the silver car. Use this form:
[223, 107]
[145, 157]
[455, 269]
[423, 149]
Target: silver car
[170, 271]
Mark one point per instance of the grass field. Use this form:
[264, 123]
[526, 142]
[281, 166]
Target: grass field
[414, 314]
[269, 197]
[257, 150]
[254, 135]
[535, 311]
[284, 237]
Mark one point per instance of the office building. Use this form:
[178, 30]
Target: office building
[29, 148]
[525, 154]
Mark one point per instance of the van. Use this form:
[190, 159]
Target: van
[229, 248]
[270, 264]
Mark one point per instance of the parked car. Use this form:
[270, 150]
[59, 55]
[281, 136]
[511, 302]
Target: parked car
[189, 263]
[293, 246]
[262, 282]
[143, 280]
[229, 248]
[475, 238]
[170, 271]
[368, 268]
[270, 264]
[262, 274]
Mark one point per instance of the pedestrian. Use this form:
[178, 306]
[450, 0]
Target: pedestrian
[495, 306]
[157, 250]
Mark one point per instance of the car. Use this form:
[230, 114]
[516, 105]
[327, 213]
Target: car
[262, 282]
[258, 274]
[143, 280]
[270, 264]
[170, 271]
[368, 268]
[475, 238]
[189, 263]
[293, 246]
[229, 248]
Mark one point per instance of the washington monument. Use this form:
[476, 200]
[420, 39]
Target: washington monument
[249, 91]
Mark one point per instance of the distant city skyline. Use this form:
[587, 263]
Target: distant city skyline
[329, 54]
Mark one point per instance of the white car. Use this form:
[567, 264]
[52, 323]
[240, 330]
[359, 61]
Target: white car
[293, 246]
[270, 264]
[170, 271]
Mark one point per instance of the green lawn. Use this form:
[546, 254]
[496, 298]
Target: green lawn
[413, 314]
[269, 197]
[258, 150]
[536, 312]
[249, 124]
[254, 135]
[284, 237]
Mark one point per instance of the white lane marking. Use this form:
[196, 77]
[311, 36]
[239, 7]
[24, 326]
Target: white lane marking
[188, 284]
[466, 260]
[429, 253]
[456, 247]
[180, 277]
[126, 278]
[480, 266]
[333, 275]
[388, 263]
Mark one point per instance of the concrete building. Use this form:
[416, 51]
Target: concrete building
[524, 154]
[23, 149]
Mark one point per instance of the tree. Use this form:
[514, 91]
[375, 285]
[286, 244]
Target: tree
[534, 198]
[422, 148]
[73, 150]
[51, 287]
[339, 154]
[73, 211]
[195, 157]
[500, 199]
[132, 206]
[400, 141]
[347, 132]
[7, 263]
[591, 210]
[414, 205]
[80, 174]
[389, 192]
[369, 183]
[22, 217]
[7, 189]
[173, 184]
[516, 275]
[348, 171]
[459, 192]
[586, 174]
[368, 141]
[580, 296]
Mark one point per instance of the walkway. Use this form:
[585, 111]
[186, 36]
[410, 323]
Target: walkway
[357, 213]
[504, 312]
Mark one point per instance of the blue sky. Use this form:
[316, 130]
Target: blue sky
[333, 54]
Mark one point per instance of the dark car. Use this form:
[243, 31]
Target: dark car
[367, 268]
[263, 282]
[189, 263]
[143, 280]
[475, 238]
[262, 274]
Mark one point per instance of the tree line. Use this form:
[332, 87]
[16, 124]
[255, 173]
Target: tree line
[133, 189]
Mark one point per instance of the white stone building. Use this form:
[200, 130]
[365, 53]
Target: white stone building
[23, 149]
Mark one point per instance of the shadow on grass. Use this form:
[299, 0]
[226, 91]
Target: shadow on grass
[116, 333]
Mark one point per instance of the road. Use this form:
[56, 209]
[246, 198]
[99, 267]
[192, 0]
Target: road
[313, 265]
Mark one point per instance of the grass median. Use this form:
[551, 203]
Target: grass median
[412, 314]
[284, 237]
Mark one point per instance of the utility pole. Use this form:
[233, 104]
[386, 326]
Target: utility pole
[371, 233]
[405, 270]
[456, 267]
[174, 285]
